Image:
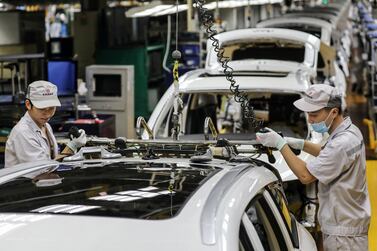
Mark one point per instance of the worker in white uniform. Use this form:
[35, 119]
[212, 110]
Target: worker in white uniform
[32, 139]
[339, 167]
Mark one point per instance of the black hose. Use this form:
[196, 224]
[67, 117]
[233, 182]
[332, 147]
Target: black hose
[206, 19]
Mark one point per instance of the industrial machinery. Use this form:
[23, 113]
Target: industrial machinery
[111, 91]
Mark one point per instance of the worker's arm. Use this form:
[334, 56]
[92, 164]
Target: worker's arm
[303, 145]
[312, 148]
[73, 145]
[297, 165]
[270, 138]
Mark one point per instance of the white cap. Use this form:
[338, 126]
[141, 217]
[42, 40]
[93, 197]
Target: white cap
[319, 96]
[43, 94]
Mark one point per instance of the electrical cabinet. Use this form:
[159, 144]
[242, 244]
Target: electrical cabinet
[147, 62]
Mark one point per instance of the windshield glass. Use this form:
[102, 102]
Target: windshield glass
[127, 190]
[266, 49]
[276, 110]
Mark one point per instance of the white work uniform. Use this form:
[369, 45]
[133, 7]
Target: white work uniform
[27, 143]
[344, 206]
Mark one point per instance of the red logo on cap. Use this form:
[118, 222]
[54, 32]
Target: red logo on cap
[48, 92]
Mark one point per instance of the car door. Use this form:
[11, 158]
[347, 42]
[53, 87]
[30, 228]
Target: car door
[261, 225]
[267, 223]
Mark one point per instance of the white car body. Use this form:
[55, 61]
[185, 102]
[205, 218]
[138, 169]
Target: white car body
[326, 33]
[192, 82]
[209, 218]
[310, 43]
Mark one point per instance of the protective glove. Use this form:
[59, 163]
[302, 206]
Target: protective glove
[271, 139]
[295, 143]
[78, 142]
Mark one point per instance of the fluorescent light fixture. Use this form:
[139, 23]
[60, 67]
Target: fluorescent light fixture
[152, 11]
[238, 3]
[172, 10]
[147, 10]
[158, 9]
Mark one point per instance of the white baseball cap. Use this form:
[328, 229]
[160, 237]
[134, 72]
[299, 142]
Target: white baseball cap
[319, 96]
[43, 94]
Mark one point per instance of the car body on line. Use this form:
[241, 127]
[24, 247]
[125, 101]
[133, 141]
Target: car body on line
[134, 204]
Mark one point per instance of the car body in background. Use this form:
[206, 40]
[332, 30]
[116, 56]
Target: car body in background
[276, 49]
[332, 67]
[207, 94]
[266, 49]
[322, 29]
[134, 204]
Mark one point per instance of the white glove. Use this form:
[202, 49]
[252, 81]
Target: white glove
[295, 143]
[76, 143]
[271, 139]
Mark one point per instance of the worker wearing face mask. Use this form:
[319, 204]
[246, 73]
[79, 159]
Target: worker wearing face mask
[32, 138]
[339, 167]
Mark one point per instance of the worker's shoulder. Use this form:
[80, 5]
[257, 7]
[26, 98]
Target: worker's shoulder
[352, 133]
[21, 130]
[347, 138]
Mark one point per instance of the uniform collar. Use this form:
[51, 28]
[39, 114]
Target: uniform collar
[343, 126]
[32, 122]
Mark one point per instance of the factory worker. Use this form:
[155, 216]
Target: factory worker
[32, 139]
[339, 166]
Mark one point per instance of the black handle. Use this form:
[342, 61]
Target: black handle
[74, 131]
[271, 157]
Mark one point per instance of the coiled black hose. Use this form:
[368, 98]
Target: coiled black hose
[239, 96]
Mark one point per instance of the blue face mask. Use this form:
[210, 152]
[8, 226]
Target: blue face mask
[321, 127]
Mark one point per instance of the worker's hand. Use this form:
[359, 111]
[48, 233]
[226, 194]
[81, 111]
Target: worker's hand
[295, 143]
[270, 138]
[75, 143]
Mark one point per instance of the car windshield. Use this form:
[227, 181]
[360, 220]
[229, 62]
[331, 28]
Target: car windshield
[127, 190]
[266, 49]
[276, 110]
[316, 31]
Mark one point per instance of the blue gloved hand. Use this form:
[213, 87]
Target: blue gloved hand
[271, 139]
[75, 143]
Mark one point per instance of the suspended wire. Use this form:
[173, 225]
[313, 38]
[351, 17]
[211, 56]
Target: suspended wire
[176, 25]
[239, 96]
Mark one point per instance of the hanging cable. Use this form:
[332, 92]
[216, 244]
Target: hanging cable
[178, 103]
[176, 26]
[239, 96]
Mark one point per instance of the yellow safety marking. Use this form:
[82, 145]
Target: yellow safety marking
[372, 181]
[372, 138]
[354, 99]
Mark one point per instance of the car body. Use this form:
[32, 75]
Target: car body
[271, 84]
[283, 87]
[264, 49]
[276, 49]
[331, 64]
[134, 204]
